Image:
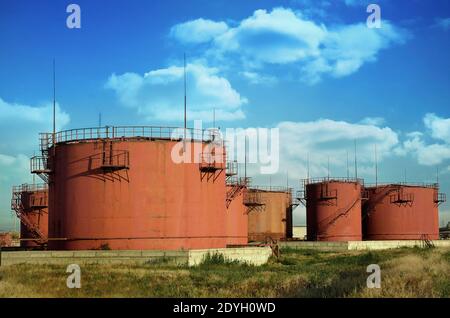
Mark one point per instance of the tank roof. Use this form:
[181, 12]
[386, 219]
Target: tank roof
[404, 184]
[271, 189]
[332, 179]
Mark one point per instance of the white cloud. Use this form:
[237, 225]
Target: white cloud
[256, 78]
[155, 96]
[325, 139]
[283, 36]
[433, 153]
[14, 170]
[198, 31]
[20, 124]
[439, 127]
[328, 138]
[375, 121]
[443, 23]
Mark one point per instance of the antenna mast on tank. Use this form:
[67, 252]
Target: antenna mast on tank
[437, 176]
[307, 166]
[328, 167]
[376, 166]
[356, 163]
[185, 97]
[348, 171]
[245, 159]
[54, 102]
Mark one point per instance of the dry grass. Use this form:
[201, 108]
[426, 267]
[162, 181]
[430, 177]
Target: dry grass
[405, 273]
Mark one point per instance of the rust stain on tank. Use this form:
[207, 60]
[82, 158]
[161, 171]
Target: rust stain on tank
[333, 210]
[269, 214]
[401, 212]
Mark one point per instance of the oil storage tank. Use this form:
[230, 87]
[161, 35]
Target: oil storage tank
[402, 212]
[30, 203]
[333, 209]
[269, 213]
[236, 212]
[134, 188]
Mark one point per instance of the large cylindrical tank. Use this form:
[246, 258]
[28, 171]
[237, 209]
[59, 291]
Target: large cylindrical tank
[269, 213]
[401, 212]
[236, 216]
[333, 210]
[132, 193]
[31, 205]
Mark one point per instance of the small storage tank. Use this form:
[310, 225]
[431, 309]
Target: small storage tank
[236, 214]
[269, 213]
[333, 209]
[135, 188]
[402, 212]
[30, 203]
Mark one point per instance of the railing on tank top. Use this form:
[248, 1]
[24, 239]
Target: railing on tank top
[160, 132]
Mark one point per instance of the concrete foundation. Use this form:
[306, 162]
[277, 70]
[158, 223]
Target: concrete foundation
[360, 245]
[251, 255]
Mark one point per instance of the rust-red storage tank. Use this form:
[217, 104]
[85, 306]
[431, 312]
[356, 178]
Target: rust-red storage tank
[333, 209]
[30, 203]
[402, 212]
[135, 188]
[269, 213]
[236, 213]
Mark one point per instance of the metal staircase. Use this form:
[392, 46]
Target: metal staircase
[41, 165]
[237, 186]
[330, 220]
[18, 207]
[370, 204]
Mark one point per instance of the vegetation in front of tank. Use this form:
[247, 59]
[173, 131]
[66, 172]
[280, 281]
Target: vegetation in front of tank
[406, 272]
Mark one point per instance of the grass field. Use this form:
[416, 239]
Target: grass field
[407, 272]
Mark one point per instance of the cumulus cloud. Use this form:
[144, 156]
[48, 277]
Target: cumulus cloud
[256, 78]
[20, 124]
[438, 126]
[319, 141]
[375, 121]
[429, 153]
[286, 37]
[19, 127]
[443, 23]
[326, 138]
[198, 31]
[154, 96]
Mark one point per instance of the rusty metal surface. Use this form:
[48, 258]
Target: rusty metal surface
[400, 212]
[333, 211]
[34, 217]
[273, 218]
[152, 203]
[236, 217]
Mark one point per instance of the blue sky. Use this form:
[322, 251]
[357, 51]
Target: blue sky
[311, 68]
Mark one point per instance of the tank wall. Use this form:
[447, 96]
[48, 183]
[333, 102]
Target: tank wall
[35, 208]
[333, 211]
[271, 219]
[387, 220]
[237, 220]
[156, 204]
